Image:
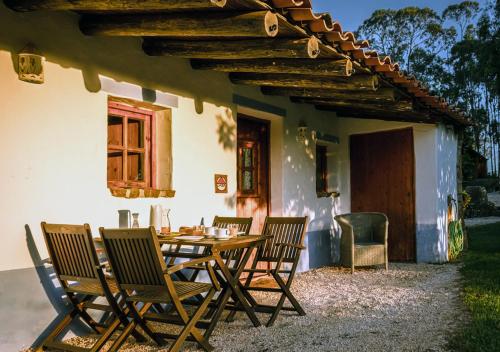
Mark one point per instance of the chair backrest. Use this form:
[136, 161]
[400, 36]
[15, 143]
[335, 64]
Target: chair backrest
[289, 230]
[71, 250]
[135, 257]
[244, 224]
[364, 225]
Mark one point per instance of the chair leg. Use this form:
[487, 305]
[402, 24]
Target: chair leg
[83, 314]
[57, 330]
[286, 290]
[277, 310]
[190, 327]
[131, 326]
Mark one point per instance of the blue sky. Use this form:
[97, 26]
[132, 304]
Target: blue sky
[351, 13]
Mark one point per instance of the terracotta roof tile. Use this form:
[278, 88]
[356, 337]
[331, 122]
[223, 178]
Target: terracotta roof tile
[301, 13]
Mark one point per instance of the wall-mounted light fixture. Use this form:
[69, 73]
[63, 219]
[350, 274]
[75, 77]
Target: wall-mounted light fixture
[302, 132]
[31, 64]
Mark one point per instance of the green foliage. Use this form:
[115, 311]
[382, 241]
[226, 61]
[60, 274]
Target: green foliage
[481, 285]
[457, 55]
[456, 240]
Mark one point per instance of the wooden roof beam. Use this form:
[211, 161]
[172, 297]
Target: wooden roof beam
[320, 67]
[114, 5]
[385, 115]
[381, 94]
[397, 106]
[304, 48]
[366, 82]
[199, 25]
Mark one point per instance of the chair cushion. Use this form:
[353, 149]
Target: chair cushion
[369, 253]
[368, 244]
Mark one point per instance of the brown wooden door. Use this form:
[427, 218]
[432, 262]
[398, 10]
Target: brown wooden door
[253, 170]
[382, 180]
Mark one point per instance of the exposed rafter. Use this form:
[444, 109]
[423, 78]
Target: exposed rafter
[397, 106]
[364, 82]
[234, 49]
[386, 114]
[114, 5]
[320, 67]
[381, 94]
[200, 25]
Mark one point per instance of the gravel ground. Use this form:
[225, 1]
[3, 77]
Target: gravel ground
[411, 307]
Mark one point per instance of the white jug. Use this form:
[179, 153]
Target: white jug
[155, 216]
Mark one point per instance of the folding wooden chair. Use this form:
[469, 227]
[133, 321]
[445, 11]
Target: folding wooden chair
[73, 256]
[143, 277]
[244, 225]
[283, 247]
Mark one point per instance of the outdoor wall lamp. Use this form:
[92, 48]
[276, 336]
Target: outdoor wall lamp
[31, 63]
[301, 132]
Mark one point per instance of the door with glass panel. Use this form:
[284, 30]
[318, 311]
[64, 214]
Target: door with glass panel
[253, 170]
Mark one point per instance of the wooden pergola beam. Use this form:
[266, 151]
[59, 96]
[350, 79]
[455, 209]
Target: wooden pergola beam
[397, 106]
[365, 82]
[381, 94]
[386, 115]
[215, 24]
[114, 5]
[319, 67]
[234, 49]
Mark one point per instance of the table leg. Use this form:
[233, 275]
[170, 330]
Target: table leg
[234, 285]
[231, 287]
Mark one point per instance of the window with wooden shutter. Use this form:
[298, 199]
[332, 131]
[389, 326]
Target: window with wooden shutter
[131, 146]
[139, 149]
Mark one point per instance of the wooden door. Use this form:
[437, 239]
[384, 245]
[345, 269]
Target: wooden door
[253, 170]
[382, 180]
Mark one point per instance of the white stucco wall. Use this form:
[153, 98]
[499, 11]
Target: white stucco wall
[446, 143]
[435, 177]
[54, 161]
[53, 154]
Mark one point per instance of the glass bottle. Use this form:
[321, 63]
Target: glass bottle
[135, 223]
[165, 221]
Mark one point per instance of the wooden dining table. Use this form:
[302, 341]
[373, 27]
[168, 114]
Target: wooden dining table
[231, 276]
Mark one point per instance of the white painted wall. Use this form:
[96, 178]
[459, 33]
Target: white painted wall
[446, 142]
[54, 138]
[54, 151]
[435, 178]
[53, 156]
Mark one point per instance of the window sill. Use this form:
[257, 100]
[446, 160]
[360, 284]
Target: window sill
[126, 192]
[333, 194]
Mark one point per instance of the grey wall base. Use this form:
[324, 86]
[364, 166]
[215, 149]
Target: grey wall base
[322, 250]
[430, 247]
[31, 302]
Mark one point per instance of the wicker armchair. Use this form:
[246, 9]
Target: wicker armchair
[364, 239]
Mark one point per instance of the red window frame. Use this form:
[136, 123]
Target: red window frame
[148, 149]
